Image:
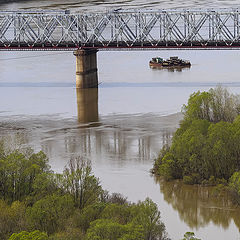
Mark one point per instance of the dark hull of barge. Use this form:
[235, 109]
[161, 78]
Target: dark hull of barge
[160, 65]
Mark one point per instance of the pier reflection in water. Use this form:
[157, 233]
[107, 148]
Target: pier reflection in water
[198, 206]
[87, 104]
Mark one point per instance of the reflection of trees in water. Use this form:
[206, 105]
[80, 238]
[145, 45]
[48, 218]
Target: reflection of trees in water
[15, 139]
[116, 143]
[144, 146]
[106, 141]
[198, 206]
[166, 138]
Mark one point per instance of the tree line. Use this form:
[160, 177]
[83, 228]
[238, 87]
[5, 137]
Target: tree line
[36, 203]
[206, 147]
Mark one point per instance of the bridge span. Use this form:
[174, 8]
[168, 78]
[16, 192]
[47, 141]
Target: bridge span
[49, 30]
[118, 29]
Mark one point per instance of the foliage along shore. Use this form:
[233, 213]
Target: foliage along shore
[36, 203]
[206, 147]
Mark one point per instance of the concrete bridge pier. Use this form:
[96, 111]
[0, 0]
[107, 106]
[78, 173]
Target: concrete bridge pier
[86, 68]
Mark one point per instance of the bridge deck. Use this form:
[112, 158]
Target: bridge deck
[56, 30]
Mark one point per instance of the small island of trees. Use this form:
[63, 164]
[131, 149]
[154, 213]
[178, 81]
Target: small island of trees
[206, 147]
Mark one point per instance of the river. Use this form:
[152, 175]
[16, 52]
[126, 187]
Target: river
[121, 126]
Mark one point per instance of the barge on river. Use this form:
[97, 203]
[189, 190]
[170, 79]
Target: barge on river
[172, 62]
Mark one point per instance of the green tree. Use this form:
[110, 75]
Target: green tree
[105, 229]
[78, 180]
[190, 236]
[147, 215]
[220, 151]
[118, 213]
[234, 185]
[44, 184]
[70, 233]
[215, 105]
[198, 106]
[83, 217]
[35, 235]
[18, 172]
[50, 213]
[12, 218]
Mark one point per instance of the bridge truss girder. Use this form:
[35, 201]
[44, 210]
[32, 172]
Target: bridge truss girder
[120, 29]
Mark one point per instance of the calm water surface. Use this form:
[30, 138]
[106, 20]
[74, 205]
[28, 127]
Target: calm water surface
[122, 125]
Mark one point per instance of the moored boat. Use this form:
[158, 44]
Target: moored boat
[172, 62]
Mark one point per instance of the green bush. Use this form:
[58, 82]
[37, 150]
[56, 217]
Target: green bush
[35, 235]
[50, 213]
[190, 236]
[188, 180]
[234, 185]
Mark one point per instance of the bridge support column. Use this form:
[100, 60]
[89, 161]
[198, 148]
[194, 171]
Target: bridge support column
[86, 68]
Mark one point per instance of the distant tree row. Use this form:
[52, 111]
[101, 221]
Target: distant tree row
[37, 204]
[206, 147]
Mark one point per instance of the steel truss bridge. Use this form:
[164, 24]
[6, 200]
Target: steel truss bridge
[130, 29]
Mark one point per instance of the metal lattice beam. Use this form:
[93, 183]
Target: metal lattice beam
[120, 29]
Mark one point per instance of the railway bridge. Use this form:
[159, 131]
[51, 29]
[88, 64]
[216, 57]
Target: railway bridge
[86, 33]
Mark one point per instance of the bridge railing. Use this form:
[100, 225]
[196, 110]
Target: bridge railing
[120, 29]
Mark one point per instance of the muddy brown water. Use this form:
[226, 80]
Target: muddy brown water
[122, 125]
